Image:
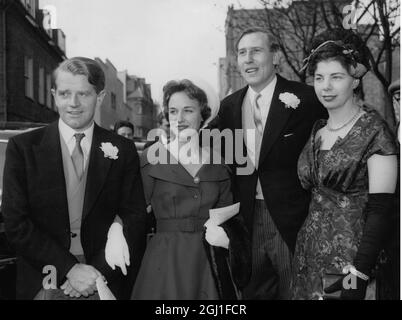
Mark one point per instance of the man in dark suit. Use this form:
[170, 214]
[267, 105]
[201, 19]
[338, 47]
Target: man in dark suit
[64, 185]
[273, 203]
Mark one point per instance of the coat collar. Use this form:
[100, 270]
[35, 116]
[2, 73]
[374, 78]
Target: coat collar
[49, 164]
[98, 168]
[277, 118]
[238, 103]
[174, 172]
[50, 161]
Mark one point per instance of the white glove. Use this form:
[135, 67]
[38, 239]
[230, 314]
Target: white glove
[216, 236]
[116, 251]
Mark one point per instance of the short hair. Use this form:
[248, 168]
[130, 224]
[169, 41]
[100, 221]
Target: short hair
[160, 117]
[343, 45]
[191, 90]
[82, 66]
[273, 44]
[121, 124]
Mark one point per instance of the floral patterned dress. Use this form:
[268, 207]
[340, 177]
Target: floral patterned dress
[338, 179]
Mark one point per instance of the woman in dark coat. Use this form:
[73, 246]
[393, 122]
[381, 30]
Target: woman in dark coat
[189, 257]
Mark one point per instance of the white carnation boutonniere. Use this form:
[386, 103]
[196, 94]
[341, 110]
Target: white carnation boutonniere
[109, 150]
[289, 99]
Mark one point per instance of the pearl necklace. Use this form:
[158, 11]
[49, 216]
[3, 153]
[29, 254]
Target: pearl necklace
[345, 124]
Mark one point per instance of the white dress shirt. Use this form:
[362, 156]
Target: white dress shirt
[264, 102]
[67, 134]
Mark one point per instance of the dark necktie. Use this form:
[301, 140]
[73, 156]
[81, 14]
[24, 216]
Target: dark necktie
[78, 156]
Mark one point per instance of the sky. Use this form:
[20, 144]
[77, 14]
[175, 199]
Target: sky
[158, 40]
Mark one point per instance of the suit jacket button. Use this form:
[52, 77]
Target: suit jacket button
[196, 180]
[195, 196]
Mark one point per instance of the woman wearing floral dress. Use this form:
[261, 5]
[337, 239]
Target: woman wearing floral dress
[350, 165]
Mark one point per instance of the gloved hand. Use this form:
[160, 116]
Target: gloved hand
[116, 251]
[354, 287]
[216, 236]
[68, 290]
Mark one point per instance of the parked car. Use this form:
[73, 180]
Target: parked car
[7, 255]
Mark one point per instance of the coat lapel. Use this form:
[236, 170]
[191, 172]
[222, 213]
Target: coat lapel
[98, 169]
[238, 107]
[277, 118]
[174, 173]
[50, 167]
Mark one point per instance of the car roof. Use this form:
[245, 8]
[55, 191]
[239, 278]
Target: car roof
[6, 134]
[16, 125]
[10, 129]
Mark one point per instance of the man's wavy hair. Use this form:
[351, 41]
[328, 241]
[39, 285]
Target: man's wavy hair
[82, 66]
[272, 43]
[192, 91]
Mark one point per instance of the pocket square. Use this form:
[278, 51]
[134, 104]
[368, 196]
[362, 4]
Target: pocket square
[287, 135]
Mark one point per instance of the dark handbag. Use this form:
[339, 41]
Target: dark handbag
[330, 278]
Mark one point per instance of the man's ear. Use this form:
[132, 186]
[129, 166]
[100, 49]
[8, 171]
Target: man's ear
[53, 91]
[355, 83]
[100, 97]
[276, 58]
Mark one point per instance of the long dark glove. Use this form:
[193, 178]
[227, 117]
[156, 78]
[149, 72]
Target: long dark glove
[377, 213]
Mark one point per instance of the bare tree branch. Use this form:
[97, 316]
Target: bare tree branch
[295, 26]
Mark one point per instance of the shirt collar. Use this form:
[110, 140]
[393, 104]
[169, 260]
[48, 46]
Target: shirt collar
[68, 133]
[264, 92]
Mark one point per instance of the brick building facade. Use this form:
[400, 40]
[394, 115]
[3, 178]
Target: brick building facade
[139, 101]
[127, 98]
[28, 55]
[113, 107]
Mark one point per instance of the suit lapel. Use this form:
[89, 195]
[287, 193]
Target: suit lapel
[50, 167]
[238, 107]
[238, 119]
[277, 118]
[98, 169]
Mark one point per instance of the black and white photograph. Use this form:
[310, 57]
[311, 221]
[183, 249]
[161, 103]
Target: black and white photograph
[200, 157]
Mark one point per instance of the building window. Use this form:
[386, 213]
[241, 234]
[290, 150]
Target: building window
[42, 88]
[28, 74]
[49, 91]
[113, 100]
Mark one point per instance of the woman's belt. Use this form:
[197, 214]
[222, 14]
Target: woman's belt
[180, 225]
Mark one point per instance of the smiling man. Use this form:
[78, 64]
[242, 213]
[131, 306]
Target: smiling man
[273, 202]
[64, 185]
